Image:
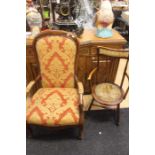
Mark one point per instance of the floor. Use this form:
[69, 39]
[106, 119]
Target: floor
[101, 137]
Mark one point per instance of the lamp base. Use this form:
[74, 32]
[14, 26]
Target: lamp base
[104, 33]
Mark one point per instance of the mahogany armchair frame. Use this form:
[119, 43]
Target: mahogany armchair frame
[34, 85]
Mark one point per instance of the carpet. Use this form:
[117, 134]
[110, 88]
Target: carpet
[101, 137]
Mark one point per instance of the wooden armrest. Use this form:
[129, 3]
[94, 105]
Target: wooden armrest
[31, 85]
[80, 91]
[80, 88]
[91, 73]
[79, 85]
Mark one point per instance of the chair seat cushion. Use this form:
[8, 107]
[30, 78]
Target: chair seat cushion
[108, 93]
[53, 107]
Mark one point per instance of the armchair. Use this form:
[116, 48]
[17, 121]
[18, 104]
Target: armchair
[109, 94]
[55, 97]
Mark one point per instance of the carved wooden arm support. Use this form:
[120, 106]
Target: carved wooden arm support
[80, 88]
[90, 76]
[80, 92]
[91, 73]
[79, 85]
[31, 85]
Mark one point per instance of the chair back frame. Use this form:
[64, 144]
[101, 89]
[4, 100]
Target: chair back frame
[57, 33]
[112, 53]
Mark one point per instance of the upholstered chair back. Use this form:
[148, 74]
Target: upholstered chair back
[56, 55]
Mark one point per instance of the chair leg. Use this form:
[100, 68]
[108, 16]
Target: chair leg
[90, 105]
[81, 132]
[117, 115]
[89, 108]
[29, 131]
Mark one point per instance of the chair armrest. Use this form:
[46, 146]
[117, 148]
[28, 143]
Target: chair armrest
[80, 91]
[91, 73]
[80, 87]
[81, 105]
[31, 85]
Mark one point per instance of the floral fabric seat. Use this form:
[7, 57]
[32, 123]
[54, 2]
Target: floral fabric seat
[108, 93]
[54, 107]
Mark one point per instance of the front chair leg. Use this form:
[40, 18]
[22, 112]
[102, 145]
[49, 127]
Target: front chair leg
[81, 132]
[117, 120]
[90, 105]
[28, 128]
[89, 108]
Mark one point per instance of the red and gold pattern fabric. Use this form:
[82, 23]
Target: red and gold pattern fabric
[53, 107]
[56, 56]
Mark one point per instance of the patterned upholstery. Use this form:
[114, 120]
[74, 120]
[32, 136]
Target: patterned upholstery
[108, 92]
[53, 107]
[56, 56]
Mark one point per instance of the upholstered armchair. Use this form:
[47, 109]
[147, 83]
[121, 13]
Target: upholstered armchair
[55, 97]
[109, 94]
